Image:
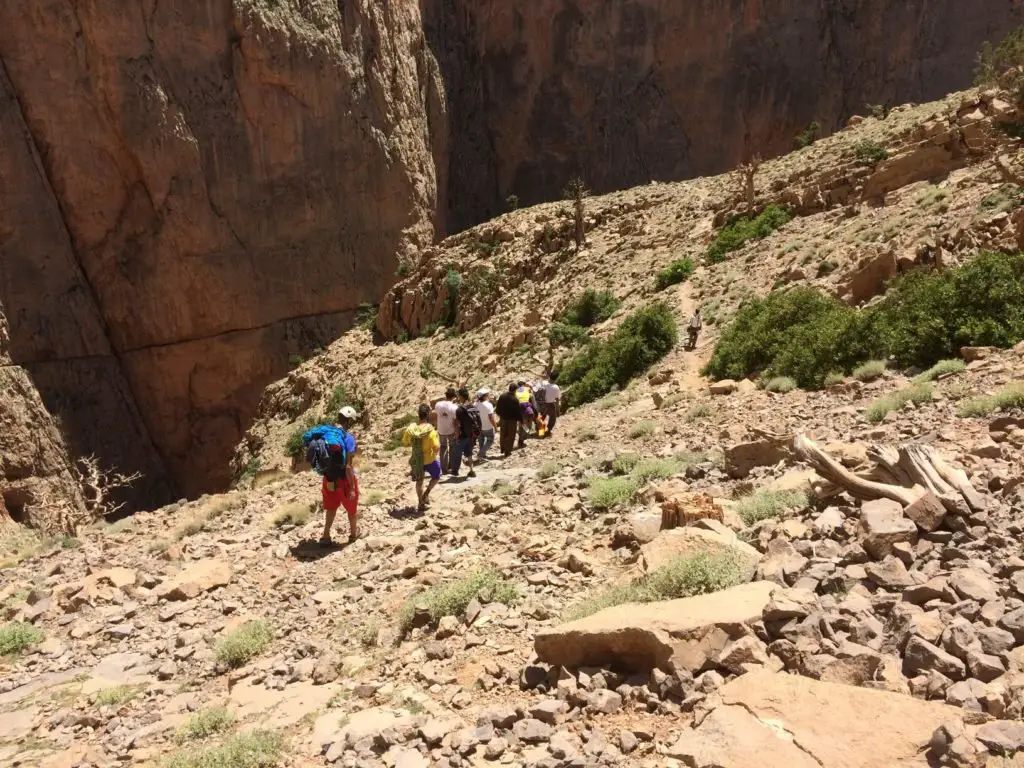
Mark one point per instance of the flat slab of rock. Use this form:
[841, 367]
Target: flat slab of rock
[689, 541]
[195, 579]
[689, 632]
[774, 719]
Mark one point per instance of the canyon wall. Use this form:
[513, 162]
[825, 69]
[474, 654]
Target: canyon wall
[195, 192]
[626, 92]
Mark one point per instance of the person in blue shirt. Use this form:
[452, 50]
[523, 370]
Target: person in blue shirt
[341, 491]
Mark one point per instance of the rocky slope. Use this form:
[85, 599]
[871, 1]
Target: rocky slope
[863, 633]
[201, 192]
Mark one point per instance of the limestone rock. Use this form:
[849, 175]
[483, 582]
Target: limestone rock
[883, 525]
[195, 579]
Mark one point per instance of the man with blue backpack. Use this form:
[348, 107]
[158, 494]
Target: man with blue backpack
[331, 451]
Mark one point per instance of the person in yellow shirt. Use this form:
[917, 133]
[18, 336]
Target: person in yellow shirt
[425, 458]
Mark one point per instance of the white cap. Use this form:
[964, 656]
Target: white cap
[348, 412]
[483, 392]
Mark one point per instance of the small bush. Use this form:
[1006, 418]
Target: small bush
[807, 136]
[372, 496]
[451, 599]
[739, 232]
[684, 576]
[826, 268]
[366, 317]
[254, 749]
[608, 402]
[641, 429]
[244, 643]
[641, 340]
[780, 384]
[869, 371]
[834, 379]
[676, 272]
[1010, 396]
[870, 152]
[654, 469]
[917, 394]
[205, 723]
[941, 368]
[512, 202]
[1002, 65]
[606, 493]
[117, 695]
[932, 196]
[16, 636]
[403, 421]
[764, 505]
[586, 436]
[549, 469]
[699, 411]
[590, 308]
[294, 513]
[565, 335]
[369, 633]
[624, 463]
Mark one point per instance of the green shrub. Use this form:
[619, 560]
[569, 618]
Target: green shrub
[739, 232]
[826, 268]
[780, 384]
[1010, 396]
[245, 643]
[684, 576]
[255, 749]
[606, 493]
[699, 411]
[870, 152]
[641, 340]
[1002, 65]
[834, 379]
[807, 136]
[941, 368]
[977, 407]
[624, 463]
[917, 394]
[590, 308]
[676, 272]
[403, 421]
[586, 435]
[643, 428]
[654, 469]
[767, 504]
[549, 469]
[16, 636]
[366, 317]
[451, 599]
[205, 723]
[869, 371]
[565, 335]
[117, 695]
[293, 513]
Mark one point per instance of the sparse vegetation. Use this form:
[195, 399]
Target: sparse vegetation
[624, 463]
[641, 340]
[1010, 396]
[366, 317]
[606, 493]
[925, 317]
[870, 152]
[549, 469]
[933, 197]
[643, 428]
[293, 513]
[739, 232]
[372, 496]
[1002, 65]
[248, 473]
[780, 384]
[16, 636]
[808, 136]
[767, 504]
[654, 469]
[676, 272]
[205, 723]
[834, 379]
[451, 599]
[586, 435]
[826, 267]
[940, 369]
[253, 749]
[869, 371]
[917, 394]
[577, 191]
[590, 308]
[683, 577]
[117, 695]
[248, 641]
[512, 202]
[699, 411]
[369, 633]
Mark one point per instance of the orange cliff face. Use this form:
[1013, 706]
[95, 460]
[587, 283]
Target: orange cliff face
[194, 192]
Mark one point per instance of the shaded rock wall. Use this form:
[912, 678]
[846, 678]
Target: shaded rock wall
[631, 91]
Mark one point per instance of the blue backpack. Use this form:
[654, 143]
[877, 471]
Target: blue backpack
[326, 452]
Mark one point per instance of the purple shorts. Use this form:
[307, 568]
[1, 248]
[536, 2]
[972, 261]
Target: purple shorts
[433, 469]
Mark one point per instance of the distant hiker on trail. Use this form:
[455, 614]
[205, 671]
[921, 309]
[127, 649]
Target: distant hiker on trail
[426, 447]
[447, 428]
[552, 402]
[331, 451]
[470, 427]
[511, 415]
[693, 329]
[488, 421]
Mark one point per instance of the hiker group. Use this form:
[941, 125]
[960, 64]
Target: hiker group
[455, 430]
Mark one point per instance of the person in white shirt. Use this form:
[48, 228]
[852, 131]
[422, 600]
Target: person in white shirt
[487, 419]
[447, 427]
[552, 401]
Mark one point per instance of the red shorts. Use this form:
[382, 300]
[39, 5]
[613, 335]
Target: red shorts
[339, 496]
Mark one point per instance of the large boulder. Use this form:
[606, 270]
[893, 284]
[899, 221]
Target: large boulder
[195, 579]
[687, 633]
[773, 719]
[717, 540]
[743, 457]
